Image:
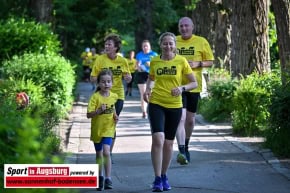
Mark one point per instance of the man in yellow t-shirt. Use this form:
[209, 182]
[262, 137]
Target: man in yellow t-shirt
[198, 53]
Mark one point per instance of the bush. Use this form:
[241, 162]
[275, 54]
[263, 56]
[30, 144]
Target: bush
[251, 101]
[36, 108]
[52, 72]
[278, 132]
[23, 140]
[18, 36]
[218, 105]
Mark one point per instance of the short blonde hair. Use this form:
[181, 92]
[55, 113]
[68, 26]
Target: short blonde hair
[166, 34]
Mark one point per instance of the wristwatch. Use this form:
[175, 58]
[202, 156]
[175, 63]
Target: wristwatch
[200, 64]
[183, 89]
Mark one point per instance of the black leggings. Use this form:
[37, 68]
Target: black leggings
[164, 120]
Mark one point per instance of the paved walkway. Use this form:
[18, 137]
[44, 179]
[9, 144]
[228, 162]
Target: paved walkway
[220, 163]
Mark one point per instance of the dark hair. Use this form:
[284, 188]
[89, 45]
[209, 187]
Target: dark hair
[116, 39]
[103, 73]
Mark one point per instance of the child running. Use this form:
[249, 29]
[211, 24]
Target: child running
[101, 109]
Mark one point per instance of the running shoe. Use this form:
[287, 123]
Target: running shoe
[101, 183]
[181, 159]
[157, 185]
[165, 183]
[108, 184]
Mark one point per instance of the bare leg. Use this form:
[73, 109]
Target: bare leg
[157, 152]
[100, 161]
[189, 125]
[180, 133]
[167, 155]
[180, 138]
[142, 88]
[107, 160]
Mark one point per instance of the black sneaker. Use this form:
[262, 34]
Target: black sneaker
[108, 184]
[101, 183]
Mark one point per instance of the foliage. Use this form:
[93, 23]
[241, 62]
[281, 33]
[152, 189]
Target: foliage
[18, 36]
[53, 72]
[20, 130]
[251, 101]
[81, 15]
[103, 17]
[273, 42]
[14, 8]
[37, 106]
[218, 106]
[278, 132]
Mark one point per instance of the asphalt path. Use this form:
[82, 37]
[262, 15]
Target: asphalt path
[220, 163]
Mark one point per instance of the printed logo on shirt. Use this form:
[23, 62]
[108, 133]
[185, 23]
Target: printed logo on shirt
[184, 51]
[167, 71]
[115, 71]
[109, 109]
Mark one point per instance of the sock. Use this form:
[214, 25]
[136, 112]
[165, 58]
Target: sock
[186, 143]
[181, 149]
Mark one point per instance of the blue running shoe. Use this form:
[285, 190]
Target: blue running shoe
[157, 185]
[165, 183]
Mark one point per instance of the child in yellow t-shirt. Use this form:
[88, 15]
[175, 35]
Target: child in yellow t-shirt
[101, 110]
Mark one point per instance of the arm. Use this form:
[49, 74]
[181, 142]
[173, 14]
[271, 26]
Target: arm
[200, 64]
[99, 111]
[149, 86]
[93, 79]
[127, 77]
[115, 117]
[191, 85]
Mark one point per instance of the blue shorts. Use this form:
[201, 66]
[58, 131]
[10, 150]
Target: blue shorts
[105, 140]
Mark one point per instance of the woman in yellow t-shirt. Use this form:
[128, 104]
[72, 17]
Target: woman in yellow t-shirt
[118, 65]
[132, 62]
[165, 104]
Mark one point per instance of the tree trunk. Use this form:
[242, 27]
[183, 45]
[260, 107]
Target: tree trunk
[281, 10]
[250, 50]
[211, 21]
[144, 21]
[41, 10]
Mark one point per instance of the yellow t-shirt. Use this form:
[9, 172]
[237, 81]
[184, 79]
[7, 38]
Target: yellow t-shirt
[86, 58]
[167, 75]
[132, 65]
[118, 66]
[102, 125]
[196, 48]
[92, 59]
